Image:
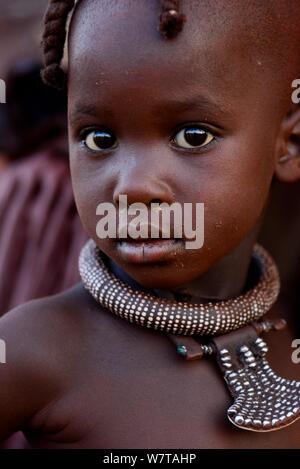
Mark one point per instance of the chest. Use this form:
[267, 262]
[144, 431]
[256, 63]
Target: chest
[142, 395]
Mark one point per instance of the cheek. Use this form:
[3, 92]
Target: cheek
[88, 189]
[234, 184]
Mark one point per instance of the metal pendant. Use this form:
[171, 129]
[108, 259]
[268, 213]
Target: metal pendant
[263, 401]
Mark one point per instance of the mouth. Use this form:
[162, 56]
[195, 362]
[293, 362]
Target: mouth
[145, 251]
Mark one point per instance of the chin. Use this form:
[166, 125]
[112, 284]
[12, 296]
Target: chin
[163, 268]
[159, 275]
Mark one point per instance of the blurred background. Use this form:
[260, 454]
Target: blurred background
[40, 232]
[20, 25]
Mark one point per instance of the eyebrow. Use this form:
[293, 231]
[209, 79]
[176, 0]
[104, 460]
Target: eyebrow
[177, 105]
[198, 102]
[82, 109]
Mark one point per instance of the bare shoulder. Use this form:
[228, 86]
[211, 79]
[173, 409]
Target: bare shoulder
[56, 331]
[40, 344]
[55, 344]
[42, 321]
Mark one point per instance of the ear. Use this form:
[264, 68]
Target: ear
[288, 164]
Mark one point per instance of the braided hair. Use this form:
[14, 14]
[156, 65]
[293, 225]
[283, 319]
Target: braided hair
[55, 31]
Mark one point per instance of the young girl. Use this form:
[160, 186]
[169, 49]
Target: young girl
[194, 109]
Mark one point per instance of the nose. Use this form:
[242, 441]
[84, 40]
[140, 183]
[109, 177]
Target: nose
[142, 183]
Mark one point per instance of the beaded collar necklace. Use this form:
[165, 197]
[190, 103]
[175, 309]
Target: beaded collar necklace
[263, 401]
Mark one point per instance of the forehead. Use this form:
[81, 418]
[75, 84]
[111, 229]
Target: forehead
[223, 45]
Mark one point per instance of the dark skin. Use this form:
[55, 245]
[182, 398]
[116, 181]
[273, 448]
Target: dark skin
[77, 376]
[91, 380]
[137, 86]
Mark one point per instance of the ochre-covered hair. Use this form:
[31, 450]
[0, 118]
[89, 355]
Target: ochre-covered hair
[54, 36]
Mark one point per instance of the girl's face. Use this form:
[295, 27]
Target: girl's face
[143, 92]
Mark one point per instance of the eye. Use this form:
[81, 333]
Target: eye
[98, 140]
[193, 137]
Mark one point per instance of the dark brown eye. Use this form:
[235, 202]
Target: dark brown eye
[100, 140]
[193, 137]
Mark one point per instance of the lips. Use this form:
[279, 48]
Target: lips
[153, 243]
[144, 251]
